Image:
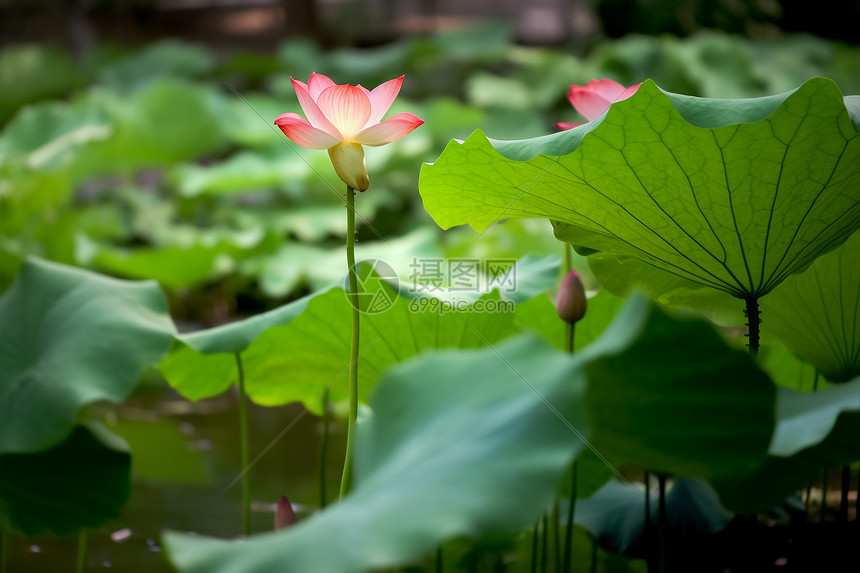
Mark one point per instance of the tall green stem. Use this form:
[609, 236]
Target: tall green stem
[534, 567]
[569, 337]
[324, 449]
[647, 479]
[439, 563]
[556, 537]
[753, 313]
[356, 326]
[4, 551]
[568, 532]
[544, 554]
[846, 488]
[82, 552]
[244, 449]
[662, 523]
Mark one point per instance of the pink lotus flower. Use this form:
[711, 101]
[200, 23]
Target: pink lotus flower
[342, 118]
[593, 100]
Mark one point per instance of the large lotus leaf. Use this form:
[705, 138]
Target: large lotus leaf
[786, 369]
[615, 515]
[622, 275]
[457, 444]
[188, 256]
[168, 58]
[69, 338]
[814, 432]
[81, 482]
[691, 406]
[243, 172]
[295, 352]
[202, 364]
[295, 263]
[470, 442]
[44, 136]
[161, 124]
[816, 313]
[30, 72]
[732, 194]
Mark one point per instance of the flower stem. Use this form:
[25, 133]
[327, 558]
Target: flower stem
[356, 325]
[534, 566]
[753, 314]
[662, 523]
[244, 449]
[4, 551]
[324, 449]
[568, 532]
[439, 563]
[846, 488]
[556, 537]
[543, 547]
[82, 552]
[569, 338]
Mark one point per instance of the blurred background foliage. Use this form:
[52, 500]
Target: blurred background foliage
[142, 155]
[136, 139]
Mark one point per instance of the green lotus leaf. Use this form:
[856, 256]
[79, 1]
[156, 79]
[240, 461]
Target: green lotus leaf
[733, 194]
[814, 432]
[293, 353]
[44, 136]
[615, 515]
[682, 401]
[169, 58]
[163, 123]
[468, 442]
[623, 275]
[70, 338]
[32, 72]
[457, 444]
[81, 482]
[816, 313]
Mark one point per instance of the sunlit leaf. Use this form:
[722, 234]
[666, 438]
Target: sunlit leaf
[816, 313]
[733, 194]
[318, 356]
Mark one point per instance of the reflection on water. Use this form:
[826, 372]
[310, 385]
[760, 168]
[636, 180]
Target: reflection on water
[185, 455]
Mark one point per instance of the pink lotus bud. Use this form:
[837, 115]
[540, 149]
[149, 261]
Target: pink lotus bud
[284, 516]
[571, 302]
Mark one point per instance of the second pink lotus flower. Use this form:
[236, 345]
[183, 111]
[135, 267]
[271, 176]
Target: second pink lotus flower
[343, 118]
[593, 100]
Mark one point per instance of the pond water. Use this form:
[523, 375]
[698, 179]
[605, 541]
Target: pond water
[185, 456]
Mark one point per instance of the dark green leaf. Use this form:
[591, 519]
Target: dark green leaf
[81, 482]
[71, 338]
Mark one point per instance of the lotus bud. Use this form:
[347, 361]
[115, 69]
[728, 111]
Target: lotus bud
[348, 161]
[284, 515]
[571, 301]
